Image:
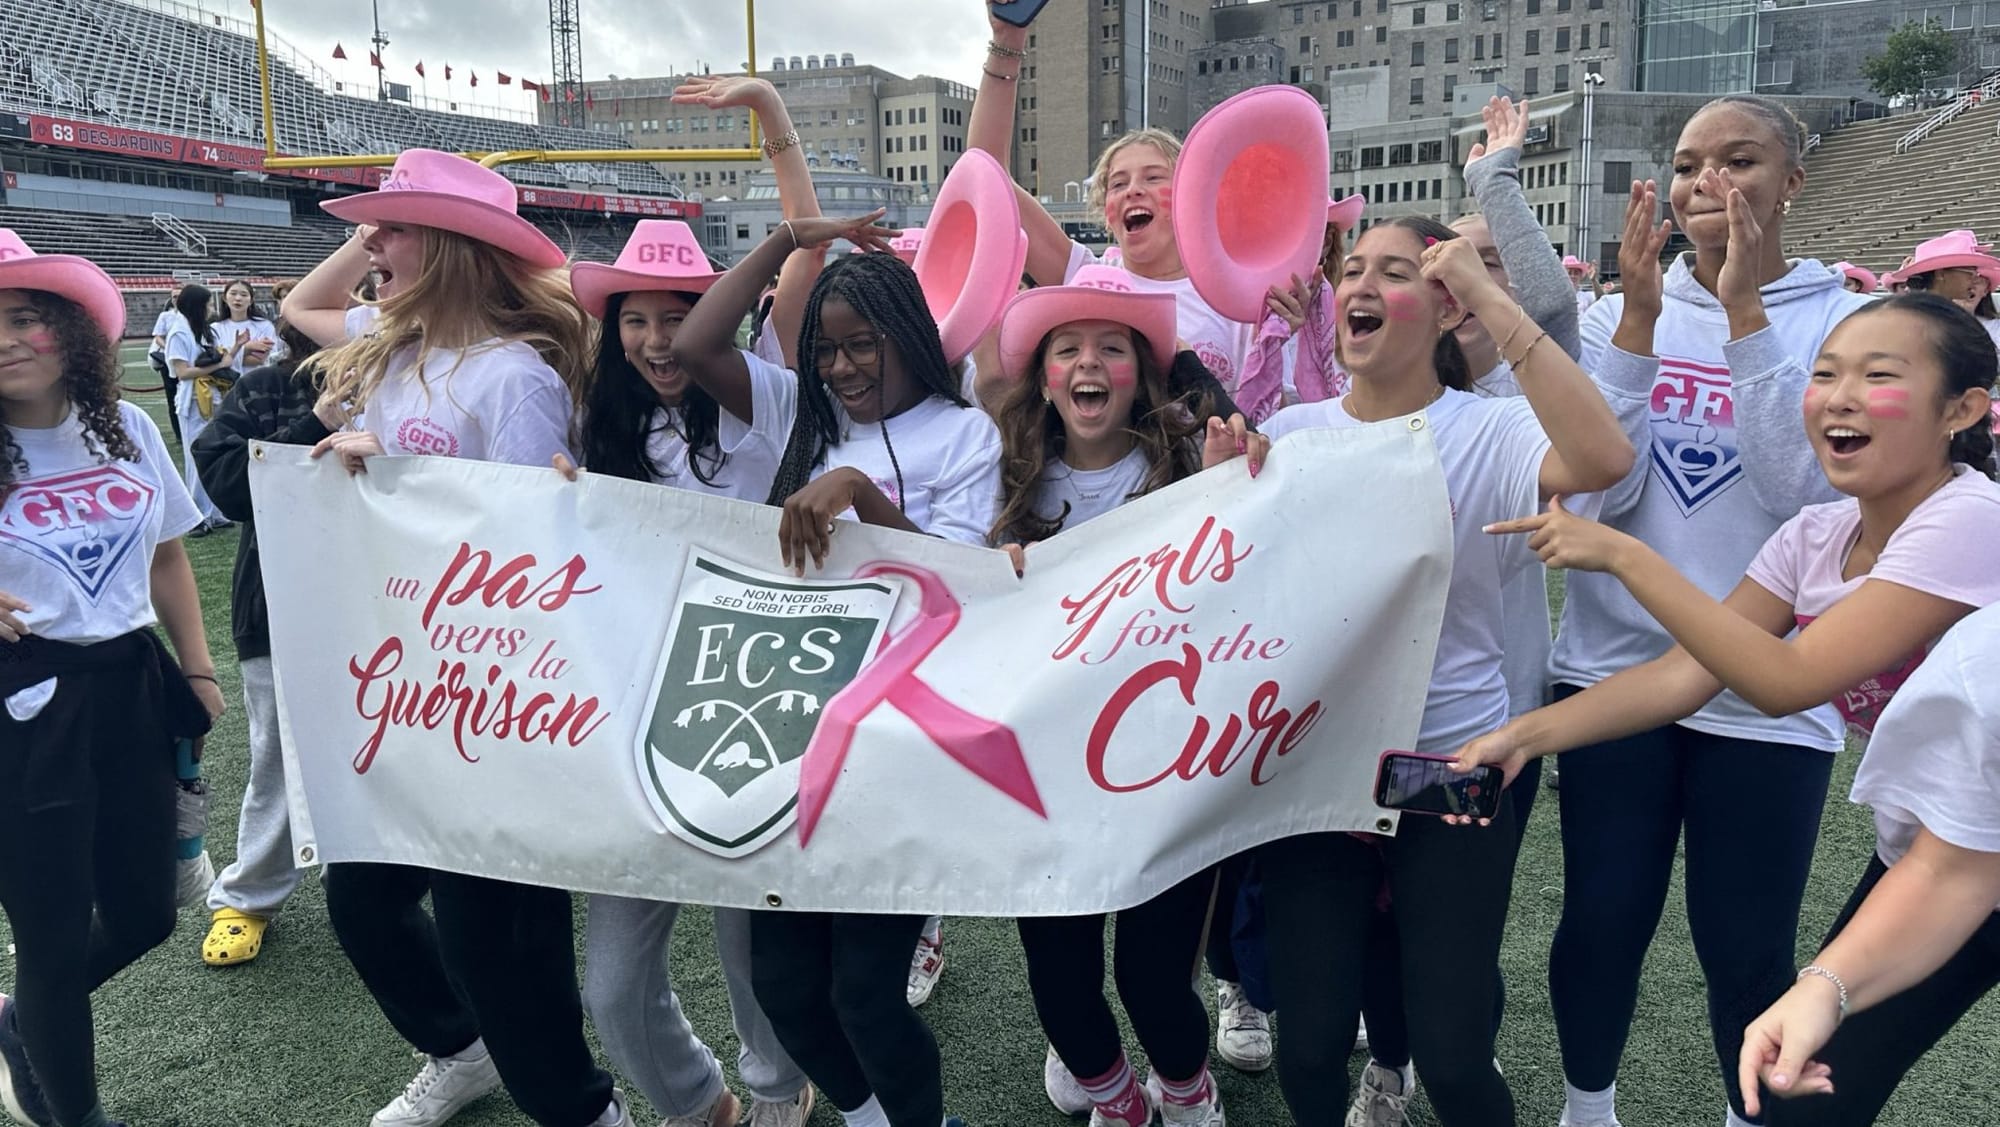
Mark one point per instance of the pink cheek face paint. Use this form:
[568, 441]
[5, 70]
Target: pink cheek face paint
[1123, 373]
[42, 340]
[1888, 403]
[1402, 306]
[1055, 376]
[1815, 395]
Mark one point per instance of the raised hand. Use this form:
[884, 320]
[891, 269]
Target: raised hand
[1289, 303]
[1506, 128]
[1738, 286]
[1233, 439]
[1639, 249]
[1455, 264]
[721, 91]
[862, 232]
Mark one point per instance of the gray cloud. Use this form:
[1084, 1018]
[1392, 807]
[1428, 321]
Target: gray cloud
[630, 38]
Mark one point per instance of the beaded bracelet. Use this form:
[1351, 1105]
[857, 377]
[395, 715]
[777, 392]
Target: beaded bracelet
[1817, 971]
[993, 46]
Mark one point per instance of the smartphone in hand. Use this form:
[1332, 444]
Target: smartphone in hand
[1020, 13]
[1426, 784]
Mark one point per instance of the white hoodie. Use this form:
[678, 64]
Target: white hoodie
[1724, 460]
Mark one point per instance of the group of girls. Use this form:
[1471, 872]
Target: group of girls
[204, 353]
[1699, 514]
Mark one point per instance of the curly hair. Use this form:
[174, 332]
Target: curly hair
[884, 291]
[90, 375]
[1165, 425]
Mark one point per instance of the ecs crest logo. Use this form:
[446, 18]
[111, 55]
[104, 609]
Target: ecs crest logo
[750, 661]
[84, 523]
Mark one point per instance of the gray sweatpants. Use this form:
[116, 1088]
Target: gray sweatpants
[629, 994]
[263, 874]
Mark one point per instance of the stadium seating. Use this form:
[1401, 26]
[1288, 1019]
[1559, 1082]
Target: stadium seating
[1868, 204]
[173, 69]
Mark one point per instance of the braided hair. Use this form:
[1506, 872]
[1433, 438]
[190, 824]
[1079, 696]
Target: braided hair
[618, 413]
[884, 291]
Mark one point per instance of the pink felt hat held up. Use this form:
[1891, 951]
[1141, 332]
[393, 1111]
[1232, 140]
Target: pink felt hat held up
[1953, 248]
[1860, 274]
[65, 275]
[428, 188]
[1345, 213]
[1095, 293]
[1249, 193]
[662, 254]
[1573, 263]
[972, 254]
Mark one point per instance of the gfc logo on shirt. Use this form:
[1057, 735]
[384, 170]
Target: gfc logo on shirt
[422, 435]
[84, 523]
[1694, 432]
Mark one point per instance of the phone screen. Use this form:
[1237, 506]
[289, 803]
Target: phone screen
[1429, 786]
[1020, 13]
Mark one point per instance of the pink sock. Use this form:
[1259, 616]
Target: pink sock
[1117, 1094]
[1190, 1093]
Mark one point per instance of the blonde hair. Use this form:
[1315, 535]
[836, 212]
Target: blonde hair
[1158, 138]
[466, 293]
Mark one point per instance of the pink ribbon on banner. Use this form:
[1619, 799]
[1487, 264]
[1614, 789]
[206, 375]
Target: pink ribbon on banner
[987, 748]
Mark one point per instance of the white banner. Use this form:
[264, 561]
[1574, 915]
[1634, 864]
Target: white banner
[610, 687]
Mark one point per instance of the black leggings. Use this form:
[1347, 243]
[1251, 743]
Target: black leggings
[1872, 1050]
[101, 868]
[835, 988]
[511, 954]
[1751, 812]
[1382, 996]
[1158, 943]
[1449, 887]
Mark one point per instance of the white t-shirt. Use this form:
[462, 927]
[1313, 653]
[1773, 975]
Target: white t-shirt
[1529, 635]
[752, 450]
[164, 323]
[77, 534]
[259, 329]
[1935, 758]
[950, 461]
[1223, 345]
[1945, 547]
[181, 344]
[1492, 450]
[1992, 330]
[493, 402]
[1089, 493]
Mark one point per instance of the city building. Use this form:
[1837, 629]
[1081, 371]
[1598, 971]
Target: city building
[1089, 78]
[730, 228]
[850, 117]
[1818, 46]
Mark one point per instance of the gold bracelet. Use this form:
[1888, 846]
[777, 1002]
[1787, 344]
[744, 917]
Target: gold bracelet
[777, 145]
[1520, 318]
[1539, 337]
[994, 74]
[993, 46]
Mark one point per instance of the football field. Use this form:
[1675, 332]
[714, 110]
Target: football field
[293, 1039]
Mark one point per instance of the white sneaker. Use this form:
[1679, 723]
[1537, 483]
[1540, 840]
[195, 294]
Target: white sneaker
[1566, 1121]
[1384, 1095]
[613, 1114]
[724, 1112]
[1242, 1031]
[783, 1113]
[1361, 1036]
[442, 1088]
[1207, 1114]
[1064, 1092]
[926, 965]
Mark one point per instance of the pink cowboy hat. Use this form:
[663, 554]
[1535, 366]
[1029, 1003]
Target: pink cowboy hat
[1953, 248]
[1248, 189]
[1860, 274]
[662, 254]
[1095, 293]
[1573, 263]
[1345, 213]
[428, 188]
[65, 275]
[972, 254]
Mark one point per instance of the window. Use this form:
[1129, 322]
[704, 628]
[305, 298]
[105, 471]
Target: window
[1583, 38]
[1451, 13]
[1450, 86]
[1298, 16]
[1534, 7]
[1401, 154]
[1417, 16]
[1531, 82]
[1451, 50]
[1371, 157]
[742, 232]
[1417, 53]
[1533, 44]
[1305, 43]
[1344, 38]
[1235, 62]
[1437, 189]
[1357, 9]
[1562, 5]
[1201, 67]
[1562, 39]
[1343, 160]
[1562, 78]
[1603, 36]
[1478, 47]
[1381, 33]
[1430, 152]
[1498, 45]
[1416, 91]
[1381, 7]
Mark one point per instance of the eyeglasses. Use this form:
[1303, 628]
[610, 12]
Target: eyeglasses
[861, 350]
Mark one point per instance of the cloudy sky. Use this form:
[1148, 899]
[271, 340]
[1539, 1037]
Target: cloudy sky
[630, 38]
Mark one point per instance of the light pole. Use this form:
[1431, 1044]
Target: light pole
[1591, 81]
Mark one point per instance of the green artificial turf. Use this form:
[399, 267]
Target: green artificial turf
[293, 1039]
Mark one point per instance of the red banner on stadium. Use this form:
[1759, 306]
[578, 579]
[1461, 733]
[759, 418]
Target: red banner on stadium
[99, 138]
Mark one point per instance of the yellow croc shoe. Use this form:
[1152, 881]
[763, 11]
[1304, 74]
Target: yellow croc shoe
[233, 938]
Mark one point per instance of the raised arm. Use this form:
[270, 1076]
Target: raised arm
[317, 306]
[1493, 173]
[1588, 451]
[1769, 382]
[1618, 340]
[991, 131]
[796, 197]
[705, 347]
